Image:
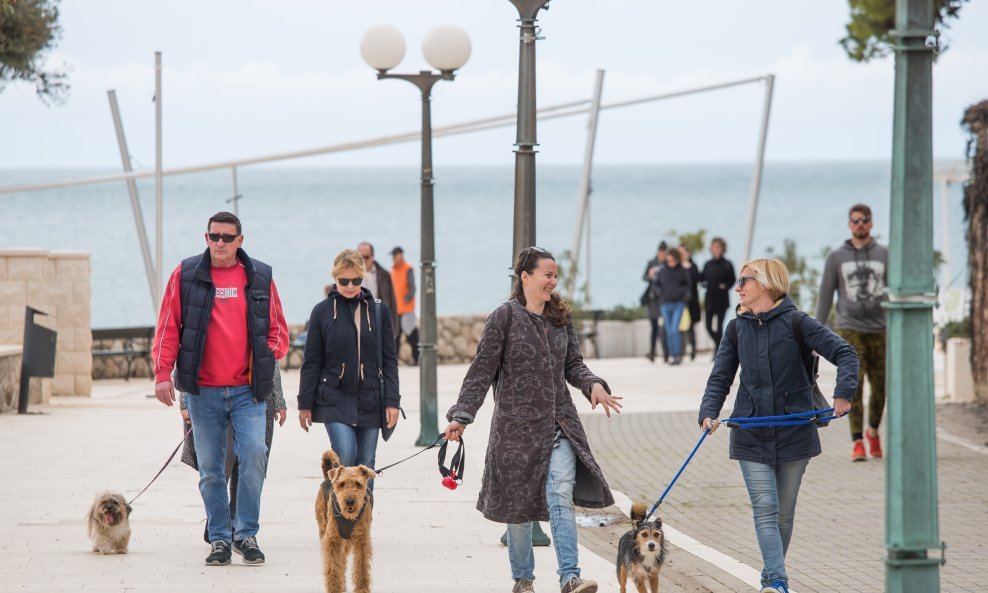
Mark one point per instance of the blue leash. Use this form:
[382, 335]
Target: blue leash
[755, 422]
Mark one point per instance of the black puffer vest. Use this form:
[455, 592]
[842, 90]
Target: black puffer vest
[197, 297]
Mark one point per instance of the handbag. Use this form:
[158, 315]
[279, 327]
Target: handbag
[685, 322]
[385, 431]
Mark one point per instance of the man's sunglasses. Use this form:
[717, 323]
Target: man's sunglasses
[227, 238]
[347, 281]
[863, 219]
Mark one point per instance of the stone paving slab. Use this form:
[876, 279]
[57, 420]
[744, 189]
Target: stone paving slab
[838, 542]
[428, 538]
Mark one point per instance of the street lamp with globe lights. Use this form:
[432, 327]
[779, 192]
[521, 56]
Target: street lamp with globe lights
[446, 49]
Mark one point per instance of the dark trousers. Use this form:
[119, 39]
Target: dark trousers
[658, 334]
[715, 325]
[871, 356]
[413, 341]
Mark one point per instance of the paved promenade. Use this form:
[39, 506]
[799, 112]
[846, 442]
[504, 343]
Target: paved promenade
[428, 538]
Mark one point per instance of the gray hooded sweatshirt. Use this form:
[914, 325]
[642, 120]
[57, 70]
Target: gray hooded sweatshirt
[859, 276]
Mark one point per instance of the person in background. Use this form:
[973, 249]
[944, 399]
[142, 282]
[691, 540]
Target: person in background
[403, 280]
[377, 280]
[857, 271]
[652, 302]
[339, 382]
[221, 328]
[696, 277]
[718, 276]
[673, 281]
[774, 382]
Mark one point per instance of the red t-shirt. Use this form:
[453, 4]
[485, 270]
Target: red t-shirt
[226, 355]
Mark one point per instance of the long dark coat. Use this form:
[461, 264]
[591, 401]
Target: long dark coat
[532, 398]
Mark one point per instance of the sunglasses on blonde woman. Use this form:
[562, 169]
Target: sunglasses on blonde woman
[347, 281]
[742, 280]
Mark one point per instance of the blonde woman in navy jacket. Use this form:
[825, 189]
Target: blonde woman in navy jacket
[774, 382]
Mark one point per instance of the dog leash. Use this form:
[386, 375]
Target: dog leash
[170, 457]
[784, 420]
[439, 438]
[755, 422]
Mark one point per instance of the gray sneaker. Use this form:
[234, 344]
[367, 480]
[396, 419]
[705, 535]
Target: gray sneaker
[523, 586]
[578, 585]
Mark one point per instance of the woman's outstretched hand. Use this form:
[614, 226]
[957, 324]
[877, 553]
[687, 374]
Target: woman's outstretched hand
[710, 425]
[841, 406]
[599, 395]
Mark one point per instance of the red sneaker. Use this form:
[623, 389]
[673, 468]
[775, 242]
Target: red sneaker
[874, 445]
[858, 452]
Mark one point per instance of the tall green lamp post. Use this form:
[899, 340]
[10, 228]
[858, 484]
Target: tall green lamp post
[911, 522]
[446, 49]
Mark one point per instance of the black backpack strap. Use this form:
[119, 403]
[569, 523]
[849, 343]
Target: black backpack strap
[810, 361]
[504, 346]
[732, 331]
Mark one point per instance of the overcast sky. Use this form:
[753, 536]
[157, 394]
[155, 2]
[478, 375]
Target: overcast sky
[245, 78]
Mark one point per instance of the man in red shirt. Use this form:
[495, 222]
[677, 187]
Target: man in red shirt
[221, 328]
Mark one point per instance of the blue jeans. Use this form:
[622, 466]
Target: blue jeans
[773, 490]
[671, 314]
[212, 412]
[354, 445]
[562, 521]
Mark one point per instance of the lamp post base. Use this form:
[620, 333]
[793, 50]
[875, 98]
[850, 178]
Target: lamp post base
[539, 537]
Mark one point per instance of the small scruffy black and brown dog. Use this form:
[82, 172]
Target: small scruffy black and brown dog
[641, 552]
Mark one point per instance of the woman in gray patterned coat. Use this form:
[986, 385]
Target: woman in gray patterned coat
[538, 462]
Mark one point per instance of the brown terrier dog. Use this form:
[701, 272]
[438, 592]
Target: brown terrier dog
[343, 513]
[108, 523]
[641, 551]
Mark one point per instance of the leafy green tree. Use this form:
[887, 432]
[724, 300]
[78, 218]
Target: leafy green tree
[804, 280]
[975, 123]
[28, 29]
[871, 20]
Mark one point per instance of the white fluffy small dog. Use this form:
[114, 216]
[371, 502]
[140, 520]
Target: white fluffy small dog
[109, 523]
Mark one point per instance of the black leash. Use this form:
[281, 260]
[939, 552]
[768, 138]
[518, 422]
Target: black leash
[170, 457]
[434, 443]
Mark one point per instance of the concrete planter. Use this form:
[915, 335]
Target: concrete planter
[622, 339]
[958, 381]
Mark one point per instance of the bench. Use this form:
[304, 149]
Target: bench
[136, 344]
[297, 345]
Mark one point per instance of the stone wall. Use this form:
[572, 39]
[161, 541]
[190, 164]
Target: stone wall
[457, 343]
[56, 282]
[10, 377]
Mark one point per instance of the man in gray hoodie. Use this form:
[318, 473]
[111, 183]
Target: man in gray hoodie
[857, 271]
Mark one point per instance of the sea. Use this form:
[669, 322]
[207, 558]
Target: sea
[298, 219]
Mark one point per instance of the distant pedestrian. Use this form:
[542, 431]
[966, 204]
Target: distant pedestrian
[340, 378]
[222, 328]
[774, 381]
[718, 276]
[403, 280]
[276, 412]
[539, 462]
[652, 302]
[857, 271]
[696, 277]
[673, 281]
[377, 279]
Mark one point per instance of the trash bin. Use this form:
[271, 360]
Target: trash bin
[38, 358]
